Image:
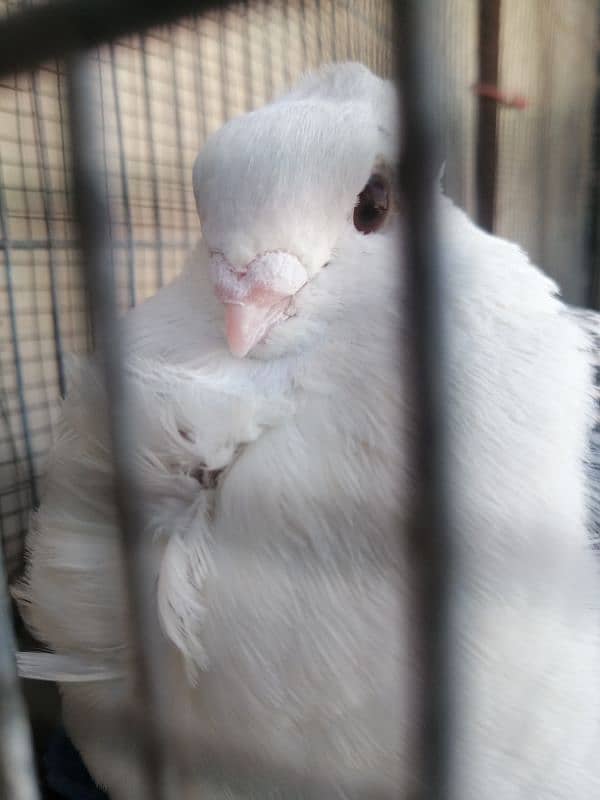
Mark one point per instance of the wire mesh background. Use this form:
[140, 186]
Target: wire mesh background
[165, 91]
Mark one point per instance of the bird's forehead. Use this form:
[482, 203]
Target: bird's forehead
[288, 144]
[284, 175]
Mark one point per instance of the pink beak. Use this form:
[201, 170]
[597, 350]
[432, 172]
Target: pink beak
[256, 297]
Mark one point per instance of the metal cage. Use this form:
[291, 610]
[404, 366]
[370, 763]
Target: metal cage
[112, 216]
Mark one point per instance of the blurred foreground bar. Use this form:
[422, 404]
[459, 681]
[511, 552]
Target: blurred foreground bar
[91, 211]
[17, 772]
[431, 544]
[55, 30]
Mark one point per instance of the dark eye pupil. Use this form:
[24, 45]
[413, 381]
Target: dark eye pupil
[372, 206]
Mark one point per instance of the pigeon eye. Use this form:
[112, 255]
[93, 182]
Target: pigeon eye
[372, 206]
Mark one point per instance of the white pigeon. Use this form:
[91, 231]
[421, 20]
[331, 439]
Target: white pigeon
[273, 436]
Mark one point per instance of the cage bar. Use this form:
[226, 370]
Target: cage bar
[56, 29]
[304, 45]
[431, 544]
[319, 32]
[49, 216]
[487, 122]
[199, 80]
[183, 195]
[129, 243]
[247, 57]
[92, 211]
[223, 64]
[160, 271]
[268, 65]
[105, 173]
[17, 772]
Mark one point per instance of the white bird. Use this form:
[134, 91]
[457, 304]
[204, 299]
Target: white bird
[274, 431]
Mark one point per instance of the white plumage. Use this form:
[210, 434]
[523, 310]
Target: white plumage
[286, 588]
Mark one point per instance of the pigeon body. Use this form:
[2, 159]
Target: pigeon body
[274, 439]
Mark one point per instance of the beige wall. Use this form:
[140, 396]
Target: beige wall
[548, 53]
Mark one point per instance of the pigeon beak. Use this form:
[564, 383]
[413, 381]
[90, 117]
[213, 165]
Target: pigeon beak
[246, 324]
[255, 297]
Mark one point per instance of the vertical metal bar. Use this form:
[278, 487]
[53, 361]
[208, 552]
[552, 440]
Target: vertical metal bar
[17, 770]
[247, 59]
[593, 218]
[287, 43]
[183, 177]
[63, 123]
[349, 40]
[487, 123]
[333, 32]
[319, 17]
[303, 34]
[102, 121]
[199, 81]
[124, 179]
[223, 65]
[153, 166]
[267, 58]
[49, 215]
[433, 523]
[60, 79]
[91, 209]
[12, 313]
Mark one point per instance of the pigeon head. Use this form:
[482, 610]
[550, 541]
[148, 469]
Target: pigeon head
[280, 189]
